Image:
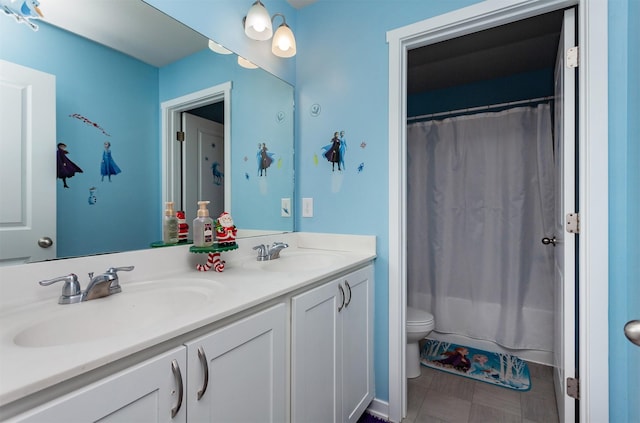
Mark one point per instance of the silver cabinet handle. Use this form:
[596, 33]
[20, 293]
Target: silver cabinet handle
[341, 306]
[205, 370]
[175, 368]
[346, 283]
[632, 331]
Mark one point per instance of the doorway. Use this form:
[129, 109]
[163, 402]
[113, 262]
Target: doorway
[174, 162]
[480, 191]
[593, 161]
[202, 152]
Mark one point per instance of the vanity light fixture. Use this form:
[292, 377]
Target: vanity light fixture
[257, 23]
[283, 43]
[218, 48]
[259, 26]
[245, 63]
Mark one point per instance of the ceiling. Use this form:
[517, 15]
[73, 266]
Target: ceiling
[521, 46]
[299, 4]
[141, 31]
[129, 26]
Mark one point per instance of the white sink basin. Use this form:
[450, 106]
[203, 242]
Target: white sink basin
[296, 261]
[139, 306]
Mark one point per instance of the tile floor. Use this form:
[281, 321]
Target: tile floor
[439, 397]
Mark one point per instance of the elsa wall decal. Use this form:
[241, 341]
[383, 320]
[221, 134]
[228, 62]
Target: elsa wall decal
[108, 166]
[265, 158]
[336, 151]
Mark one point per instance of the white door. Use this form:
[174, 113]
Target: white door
[238, 373]
[565, 257]
[27, 164]
[202, 165]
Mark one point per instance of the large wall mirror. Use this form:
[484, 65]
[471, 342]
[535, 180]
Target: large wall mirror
[117, 117]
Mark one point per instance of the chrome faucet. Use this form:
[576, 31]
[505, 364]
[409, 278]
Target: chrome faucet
[266, 252]
[99, 286]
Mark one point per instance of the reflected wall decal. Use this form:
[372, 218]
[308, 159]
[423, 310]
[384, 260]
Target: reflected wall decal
[218, 176]
[65, 168]
[22, 11]
[90, 123]
[93, 198]
[108, 166]
[265, 158]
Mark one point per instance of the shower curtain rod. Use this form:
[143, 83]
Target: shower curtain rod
[478, 108]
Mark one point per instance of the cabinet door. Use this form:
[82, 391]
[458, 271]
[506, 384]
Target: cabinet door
[238, 373]
[147, 392]
[315, 346]
[357, 344]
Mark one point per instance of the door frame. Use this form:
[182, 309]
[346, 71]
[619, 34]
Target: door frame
[592, 186]
[171, 123]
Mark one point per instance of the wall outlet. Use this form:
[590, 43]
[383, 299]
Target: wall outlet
[307, 207]
[285, 207]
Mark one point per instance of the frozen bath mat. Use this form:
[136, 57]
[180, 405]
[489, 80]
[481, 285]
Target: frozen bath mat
[500, 369]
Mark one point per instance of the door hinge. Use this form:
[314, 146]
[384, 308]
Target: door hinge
[573, 223]
[180, 136]
[572, 57]
[573, 387]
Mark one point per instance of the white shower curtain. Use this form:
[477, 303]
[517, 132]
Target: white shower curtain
[480, 199]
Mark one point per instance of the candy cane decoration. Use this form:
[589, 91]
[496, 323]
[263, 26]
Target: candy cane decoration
[212, 261]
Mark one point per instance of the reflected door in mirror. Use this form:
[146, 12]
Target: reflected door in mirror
[27, 163]
[203, 165]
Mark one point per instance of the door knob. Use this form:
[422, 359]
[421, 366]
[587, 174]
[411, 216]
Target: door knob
[632, 331]
[45, 242]
[547, 241]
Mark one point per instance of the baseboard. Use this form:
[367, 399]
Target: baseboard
[379, 409]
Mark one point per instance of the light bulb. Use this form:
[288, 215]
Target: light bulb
[257, 23]
[284, 44]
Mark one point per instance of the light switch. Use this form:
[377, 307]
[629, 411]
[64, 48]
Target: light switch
[307, 207]
[285, 207]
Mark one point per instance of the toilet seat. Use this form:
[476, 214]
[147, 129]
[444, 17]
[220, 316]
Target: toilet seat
[417, 317]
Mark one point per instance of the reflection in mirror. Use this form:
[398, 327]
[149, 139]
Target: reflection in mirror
[108, 110]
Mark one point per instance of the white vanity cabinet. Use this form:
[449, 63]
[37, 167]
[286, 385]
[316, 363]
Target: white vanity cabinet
[152, 391]
[238, 373]
[332, 350]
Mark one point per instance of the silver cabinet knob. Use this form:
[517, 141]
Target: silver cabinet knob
[45, 242]
[632, 331]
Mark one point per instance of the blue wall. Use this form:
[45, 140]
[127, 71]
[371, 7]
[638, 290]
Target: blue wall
[624, 206]
[342, 66]
[120, 94]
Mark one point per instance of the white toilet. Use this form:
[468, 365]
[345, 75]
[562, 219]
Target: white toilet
[419, 325]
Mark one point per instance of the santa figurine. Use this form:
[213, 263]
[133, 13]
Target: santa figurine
[225, 230]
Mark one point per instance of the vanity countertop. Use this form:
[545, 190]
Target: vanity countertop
[245, 283]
